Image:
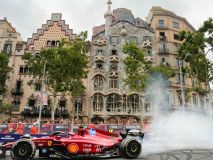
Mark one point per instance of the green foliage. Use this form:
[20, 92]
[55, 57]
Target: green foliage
[135, 67]
[5, 108]
[197, 45]
[138, 70]
[200, 90]
[65, 66]
[4, 71]
[164, 70]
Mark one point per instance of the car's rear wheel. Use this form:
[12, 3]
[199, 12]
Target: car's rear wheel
[23, 149]
[130, 148]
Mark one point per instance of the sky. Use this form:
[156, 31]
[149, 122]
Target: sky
[28, 15]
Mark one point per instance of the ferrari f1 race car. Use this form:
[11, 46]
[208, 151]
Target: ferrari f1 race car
[87, 143]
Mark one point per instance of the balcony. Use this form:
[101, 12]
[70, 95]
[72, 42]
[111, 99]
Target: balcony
[162, 27]
[98, 71]
[147, 44]
[100, 42]
[99, 58]
[45, 112]
[163, 50]
[113, 90]
[113, 74]
[16, 91]
[163, 39]
[114, 59]
[149, 59]
[61, 112]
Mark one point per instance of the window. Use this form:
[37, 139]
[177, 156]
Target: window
[7, 48]
[114, 40]
[175, 25]
[21, 70]
[98, 82]
[178, 78]
[98, 103]
[38, 86]
[114, 52]
[113, 83]
[176, 47]
[162, 36]
[99, 66]
[133, 103]
[113, 103]
[149, 52]
[161, 23]
[133, 40]
[114, 67]
[178, 62]
[99, 52]
[163, 48]
[201, 103]
[194, 99]
[78, 105]
[18, 86]
[176, 37]
[163, 61]
[147, 38]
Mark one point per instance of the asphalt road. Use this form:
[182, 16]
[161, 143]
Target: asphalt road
[186, 154]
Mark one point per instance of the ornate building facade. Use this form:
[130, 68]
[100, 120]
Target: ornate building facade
[106, 99]
[110, 99]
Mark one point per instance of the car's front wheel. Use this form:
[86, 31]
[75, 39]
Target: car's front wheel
[130, 148]
[23, 149]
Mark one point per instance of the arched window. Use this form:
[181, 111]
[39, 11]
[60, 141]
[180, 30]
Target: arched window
[99, 82]
[49, 43]
[113, 103]
[98, 103]
[133, 103]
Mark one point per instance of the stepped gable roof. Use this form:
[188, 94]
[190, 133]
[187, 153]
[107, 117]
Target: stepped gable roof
[56, 17]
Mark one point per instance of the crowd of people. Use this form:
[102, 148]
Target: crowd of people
[22, 126]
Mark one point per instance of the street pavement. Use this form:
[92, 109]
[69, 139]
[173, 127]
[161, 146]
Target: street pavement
[186, 154]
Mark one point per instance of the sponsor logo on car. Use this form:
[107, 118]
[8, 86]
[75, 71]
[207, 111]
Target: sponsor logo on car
[87, 150]
[73, 148]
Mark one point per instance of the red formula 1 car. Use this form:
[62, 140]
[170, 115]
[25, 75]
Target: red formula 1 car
[87, 143]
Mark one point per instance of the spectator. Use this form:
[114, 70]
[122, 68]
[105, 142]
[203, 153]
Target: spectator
[20, 128]
[34, 129]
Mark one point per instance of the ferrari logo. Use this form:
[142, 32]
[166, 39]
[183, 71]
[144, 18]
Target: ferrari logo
[49, 143]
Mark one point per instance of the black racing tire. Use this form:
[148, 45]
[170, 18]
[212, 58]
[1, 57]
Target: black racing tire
[2, 152]
[23, 149]
[130, 148]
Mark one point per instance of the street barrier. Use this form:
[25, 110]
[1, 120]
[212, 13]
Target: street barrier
[10, 132]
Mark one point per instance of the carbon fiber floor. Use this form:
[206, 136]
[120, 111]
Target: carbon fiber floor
[187, 154]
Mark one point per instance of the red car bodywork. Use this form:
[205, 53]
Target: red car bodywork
[87, 142]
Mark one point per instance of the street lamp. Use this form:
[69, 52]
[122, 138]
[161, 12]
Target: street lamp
[181, 80]
[42, 97]
[78, 105]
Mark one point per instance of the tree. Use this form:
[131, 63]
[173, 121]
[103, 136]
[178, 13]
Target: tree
[138, 71]
[135, 67]
[65, 67]
[4, 71]
[197, 45]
